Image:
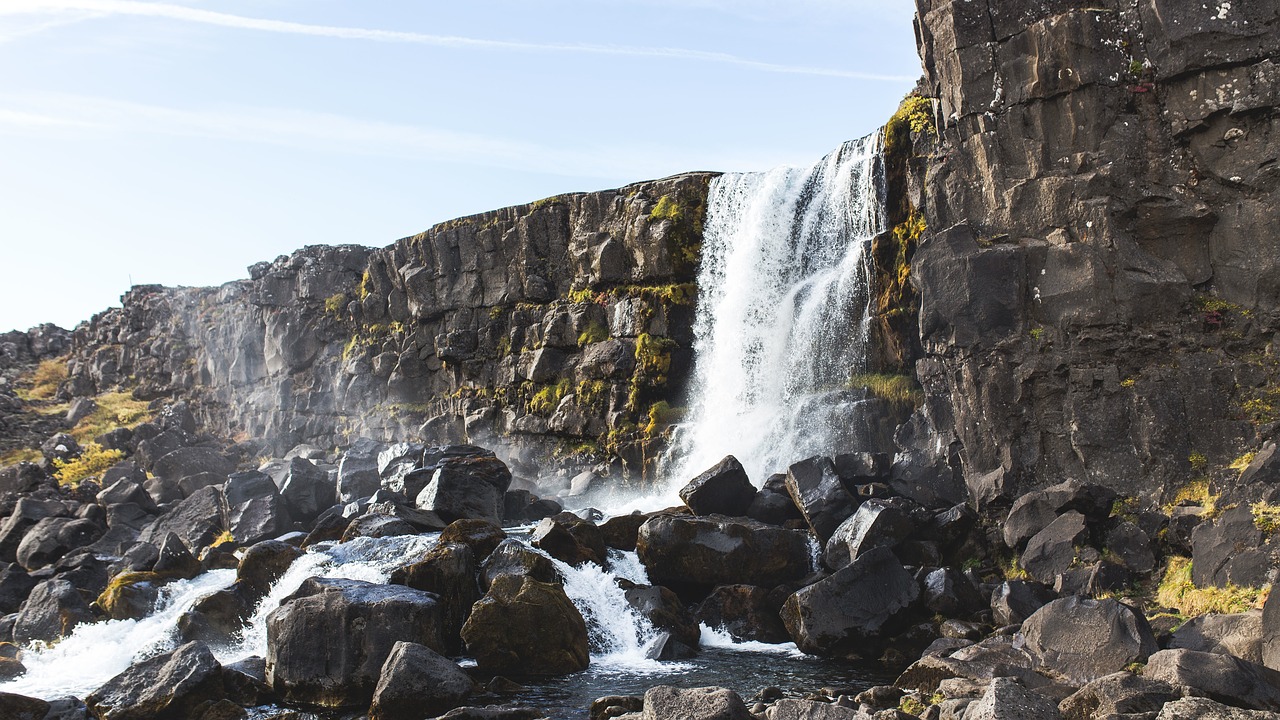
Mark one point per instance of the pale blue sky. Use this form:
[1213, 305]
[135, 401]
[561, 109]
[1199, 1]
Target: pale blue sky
[180, 142]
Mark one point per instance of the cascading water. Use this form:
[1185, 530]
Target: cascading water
[783, 313]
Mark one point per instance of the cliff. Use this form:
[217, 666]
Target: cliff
[1098, 287]
[559, 329]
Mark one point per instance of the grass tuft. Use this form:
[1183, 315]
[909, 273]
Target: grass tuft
[895, 388]
[45, 379]
[93, 460]
[1176, 590]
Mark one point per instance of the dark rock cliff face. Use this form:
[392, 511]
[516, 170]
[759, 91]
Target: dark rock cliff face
[1100, 284]
[559, 328]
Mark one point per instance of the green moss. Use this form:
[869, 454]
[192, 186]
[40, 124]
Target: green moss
[93, 460]
[895, 293]
[660, 416]
[1242, 463]
[366, 285]
[673, 294]
[668, 208]
[547, 202]
[336, 304]
[114, 410]
[585, 295]
[914, 115]
[1266, 517]
[594, 333]
[1198, 492]
[548, 398]
[653, 357]
[591, 392]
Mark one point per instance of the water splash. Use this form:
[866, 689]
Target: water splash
[783, 315]
[94, 653]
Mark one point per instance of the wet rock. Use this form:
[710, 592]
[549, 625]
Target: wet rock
[723, 489]
[130, 596]
[198, 520]
[773, 503]
[358, 470]
[449, 571]
[570, 539]
[173, 559]
[614, 705]
[262, 564]
[53, 610]
[307, 490]
[1080, 640]
[469, 487]
[665, 702]
[166, 687]
[67, 708]
[1120, 693]
[10, 662]
[1013, 601]
[620, 531]
[816, 490]
[664, 609]
[21, 707]
[479, 535]
[876, 523]
[327, 642]
[415, 682]
[1223, 678]
[522, 506]
[1035, 510]
[511, 557]
[216, 618]
[1052, 550]
[1238, 634]
[1005, 699]
[377, 525]
[255, 510]
[865, 601]
[746, 612]
[246, 681]
[701, 552]
[525, 626]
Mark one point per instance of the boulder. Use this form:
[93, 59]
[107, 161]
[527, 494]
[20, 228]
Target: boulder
[512, 557]
[1013, 601]
[876, 523]
[723, 489]
[166, 687]
[416, 682]
[1270, 646]
[1005, 699]
[15, 586]
[798, 709]
[1198, 708]
[663, 609]
[1131, 545]
[665, 702]
[680, 551]
[1223, 678]
[377, 525]
[130, 596]
[358, 471]
[198, 520]
[570, 539]
[174, 560]
[52, 538]
[54, 608]
[262, 565]
[21, 707]
[773, 503]
[816, 490]
[1032, 512]
[1052, 551]
[520, 506]
[1120, 693]
[620, 531]
[255, 510]
[746, 612]
[479, 535]
[192, 468]
[327, 642]
[947, 592]
[396, 462]
[24, 516]
[864, 602]
[467, 487]
[217, 617]
[307, 490]
[996, 656]
[127, 490]
[449, 571]
[1078, 640]
[528, 627]
[1238, 634]
[1228, 551]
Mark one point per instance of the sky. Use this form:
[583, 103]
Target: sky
[180, 142]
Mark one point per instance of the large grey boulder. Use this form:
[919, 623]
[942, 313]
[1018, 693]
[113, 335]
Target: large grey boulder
[665, 702]
[327, 642]
[876, 523]
[852, 609]
[467, 487]
[54, 608]
[1013, 601]
[723, 489]
[358, 471]
[307, 490]
[255, 510]
[418, 682]
[192, 468]
[1078, 640]
[1119, 693]
[1238, 634]
[570, 539]
[24, 516]
[21, 707]
[1223, 678]
[513, 557]
[746, 612]
[449, 571]
[166, 687]
[1005, 699]
[1271, 632]
[1033, 511]
[1051, 551]
[1199, 708]
[528, 627]
[816, 490]
[1228, 550]
[681, 551]
[197, 521]
[52, 538]
[798, 709]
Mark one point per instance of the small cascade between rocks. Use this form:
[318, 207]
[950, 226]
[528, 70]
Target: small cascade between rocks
[783, 318]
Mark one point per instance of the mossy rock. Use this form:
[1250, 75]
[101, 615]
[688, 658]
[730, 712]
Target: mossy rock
[131, 595]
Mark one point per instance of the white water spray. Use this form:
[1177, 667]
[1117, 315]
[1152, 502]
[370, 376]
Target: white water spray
[783, 313]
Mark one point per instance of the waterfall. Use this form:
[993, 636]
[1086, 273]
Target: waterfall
[783, 317]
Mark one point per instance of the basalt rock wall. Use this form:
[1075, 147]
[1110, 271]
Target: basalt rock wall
[559, 329]
[1099, 284]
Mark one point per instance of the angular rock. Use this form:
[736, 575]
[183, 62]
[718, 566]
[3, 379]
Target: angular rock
[358, 471]
[773, 503]
[512, 557]
[449, 571]
[21, 707]
[851, 610]
[1052, 551]
[166, 687]
[26, 513]
[1198, 708]
[1005, 699]
[1129, 543]
[1079, 640]
[198, 520]
[724, 489]
[664, 609]
[327, 642]
[127, 490]
[416, 682]
[377, 525]
[876, 523]
[479, 535]
[15, 586]
[1270, 646]
[1238, 634]
[1228, 551]
[746, 612]
[816, 490]
[255, 510]
[1013, 601]
[130, 596]
[54, 608]
[1223, 678]
[570, 539]
[173, 559]
[1120, 693]
[665, 702]
[1032, 512]
[307, 490]
[680, 551]
[528, 627]
[798, 709]
[52, 538]
[949, 593]
[620, 531]
[262, 564]
[469, 487]
[193, 468]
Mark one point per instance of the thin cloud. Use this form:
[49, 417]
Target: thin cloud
[209, 17]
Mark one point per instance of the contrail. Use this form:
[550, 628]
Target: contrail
[209, 17]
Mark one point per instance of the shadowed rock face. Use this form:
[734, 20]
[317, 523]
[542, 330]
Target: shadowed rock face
[554, 322]
[1096, 204]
